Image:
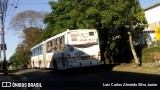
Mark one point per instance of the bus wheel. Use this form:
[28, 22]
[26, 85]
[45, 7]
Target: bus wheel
[55, 65]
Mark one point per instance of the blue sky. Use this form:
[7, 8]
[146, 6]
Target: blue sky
[11, 38]
[145, 3]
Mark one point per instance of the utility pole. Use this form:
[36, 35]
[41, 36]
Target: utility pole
[3, 9]
[5, 69]
[0, 60]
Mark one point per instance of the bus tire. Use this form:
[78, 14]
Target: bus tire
[55, 65]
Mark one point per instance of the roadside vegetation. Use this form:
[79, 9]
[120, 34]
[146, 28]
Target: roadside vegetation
[146, 68]
[151, 54]
[29, 26]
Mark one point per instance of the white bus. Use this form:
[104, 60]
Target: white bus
[70, 49]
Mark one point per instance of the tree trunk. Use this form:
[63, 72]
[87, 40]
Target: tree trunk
[133, 49]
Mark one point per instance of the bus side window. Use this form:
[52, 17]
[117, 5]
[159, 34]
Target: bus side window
[36, 51]
[33, 52]
[50, 43]
[48, 46]
[40, 49]
[62, 42]
[91, 33]
[53, 45]
[58, 44]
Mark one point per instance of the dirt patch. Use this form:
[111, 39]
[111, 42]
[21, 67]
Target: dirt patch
[147, 68]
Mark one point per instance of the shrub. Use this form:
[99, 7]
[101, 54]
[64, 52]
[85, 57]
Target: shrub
[149, 53]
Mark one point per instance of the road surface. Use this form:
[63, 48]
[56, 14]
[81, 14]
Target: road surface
[86, 77]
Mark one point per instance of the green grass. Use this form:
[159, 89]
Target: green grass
[148, 68]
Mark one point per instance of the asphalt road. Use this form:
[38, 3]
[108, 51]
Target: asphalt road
[88, 75]
[94, 76]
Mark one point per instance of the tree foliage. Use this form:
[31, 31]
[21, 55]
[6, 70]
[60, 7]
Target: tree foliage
[27, 19]
[115, 20]
[21, 57]
[32, 36]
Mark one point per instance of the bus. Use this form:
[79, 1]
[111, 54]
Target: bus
[69, 49]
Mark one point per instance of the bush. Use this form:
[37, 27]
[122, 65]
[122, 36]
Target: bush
[149, 53]
[155, 43]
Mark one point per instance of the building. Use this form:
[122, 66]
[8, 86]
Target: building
[152, 33]
[152, 14]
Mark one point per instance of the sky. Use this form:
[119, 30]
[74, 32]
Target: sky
[12, 39]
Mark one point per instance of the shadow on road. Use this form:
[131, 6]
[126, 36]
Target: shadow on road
[97, 73]
[85, 70]
[9, 71]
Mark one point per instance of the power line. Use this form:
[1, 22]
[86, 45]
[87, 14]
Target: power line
[11, 7]
[15, 8]
[5, 9]
[31, 3]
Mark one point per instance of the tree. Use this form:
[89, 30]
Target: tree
[135, 20]
[109, 17]
[13, 61]
[27, 19]
[30, 24]
[21, 58]
[22, 55]
[32, 37]
[60, 18]
[131, 16]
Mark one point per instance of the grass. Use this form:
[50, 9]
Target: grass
[145, 68]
